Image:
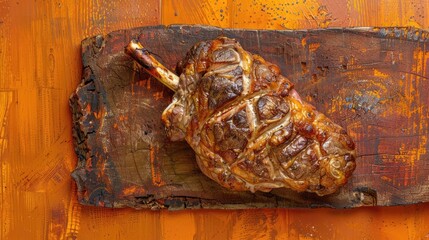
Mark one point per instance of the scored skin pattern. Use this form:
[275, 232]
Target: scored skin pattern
[249, 127]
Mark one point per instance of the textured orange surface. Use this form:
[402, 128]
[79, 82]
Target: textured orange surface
[40, 67]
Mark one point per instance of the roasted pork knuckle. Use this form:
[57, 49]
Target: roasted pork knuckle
[249, 128]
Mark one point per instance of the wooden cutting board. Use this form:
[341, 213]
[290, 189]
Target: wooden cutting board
[372, 81]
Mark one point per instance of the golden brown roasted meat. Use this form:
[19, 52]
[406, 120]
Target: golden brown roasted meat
[249, 128]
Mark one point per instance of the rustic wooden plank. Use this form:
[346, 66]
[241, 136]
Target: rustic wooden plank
[369, 80]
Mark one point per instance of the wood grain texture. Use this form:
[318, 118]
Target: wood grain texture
[38, 199]
[359, 77]
[297, 14]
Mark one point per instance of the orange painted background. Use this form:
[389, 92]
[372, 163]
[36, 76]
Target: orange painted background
[40, 67]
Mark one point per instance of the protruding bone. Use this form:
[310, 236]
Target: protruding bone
[151, 65]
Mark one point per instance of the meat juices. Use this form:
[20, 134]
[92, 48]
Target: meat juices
[249, 128]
